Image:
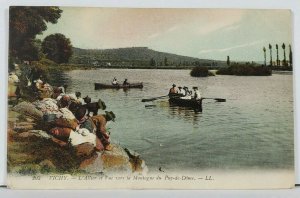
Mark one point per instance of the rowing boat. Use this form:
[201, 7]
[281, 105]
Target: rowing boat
[192, 103]
[119, 86]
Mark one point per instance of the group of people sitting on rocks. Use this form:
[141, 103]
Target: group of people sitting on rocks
[69, 118]
[185, 93]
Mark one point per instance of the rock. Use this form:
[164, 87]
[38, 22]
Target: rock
[37, 133]
[23, 126]
[26, 108]
[85, 149]
[116, 160]
[138, 165]
[93, 164]
[110, 162]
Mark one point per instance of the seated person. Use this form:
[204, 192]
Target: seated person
[115, 81]
[96, 124]
[181, 91]
[173, 90]
[125, 82]
[187, 95]
[197, 94]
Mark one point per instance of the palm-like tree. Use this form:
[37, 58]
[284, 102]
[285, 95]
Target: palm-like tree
[264, 49]
[277, 60]
[291, 56]
[271, 61]
[284, 57]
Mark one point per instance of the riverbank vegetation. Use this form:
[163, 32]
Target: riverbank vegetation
[245, 70]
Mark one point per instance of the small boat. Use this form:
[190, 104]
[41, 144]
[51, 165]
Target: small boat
[119, 86]
[195, 104]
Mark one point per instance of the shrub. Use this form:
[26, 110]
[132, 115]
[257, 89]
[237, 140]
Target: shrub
[245, 70]
[199, 72]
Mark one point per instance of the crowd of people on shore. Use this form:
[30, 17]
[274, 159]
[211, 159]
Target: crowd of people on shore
[69, 118]
[185, 93]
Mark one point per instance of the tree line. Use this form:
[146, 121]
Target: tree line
[25, 23]
[284, 62]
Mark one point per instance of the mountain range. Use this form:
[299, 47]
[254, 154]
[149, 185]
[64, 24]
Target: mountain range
[137, 57]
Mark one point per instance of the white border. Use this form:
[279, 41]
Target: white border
[294, 5]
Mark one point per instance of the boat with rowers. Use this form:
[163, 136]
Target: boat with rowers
[118, 86]
[174, 99]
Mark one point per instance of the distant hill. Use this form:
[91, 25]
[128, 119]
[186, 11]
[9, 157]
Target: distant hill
[137, 57]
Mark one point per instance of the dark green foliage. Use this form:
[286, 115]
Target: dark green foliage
[245, 70]
[265, 57]
[57, 48]
[152, 62]
[199, 72]
[277, 56]
[284, 56]
[36, 149]
[291, 56]
[24, 24]
[228, 60]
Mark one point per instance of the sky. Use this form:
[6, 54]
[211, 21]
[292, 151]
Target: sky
[202, 33]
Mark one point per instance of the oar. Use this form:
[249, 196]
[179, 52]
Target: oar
[217, 99]
[151, 99]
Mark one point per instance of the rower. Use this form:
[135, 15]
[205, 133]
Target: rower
[125, 82]
[197, 94]
[115, 81]
[187, 95]
[181, 91]
[173, 90]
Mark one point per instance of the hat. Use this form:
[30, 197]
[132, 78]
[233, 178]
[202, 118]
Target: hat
[80, 113]
[110, 115]
[184, 87]
[78, 94]
[173, 85]
[195, 87]
[179, 87]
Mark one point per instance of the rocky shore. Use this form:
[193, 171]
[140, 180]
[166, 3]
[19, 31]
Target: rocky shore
[31, 150]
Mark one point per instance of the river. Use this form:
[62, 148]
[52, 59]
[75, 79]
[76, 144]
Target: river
[253, 129]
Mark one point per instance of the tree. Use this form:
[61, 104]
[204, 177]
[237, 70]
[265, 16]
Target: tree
[277, 59]
[291, 56]
[228, 60]
[57, 48]
[152, 62]
[271, 61]
[264, 49]
[284, 57]
[24, 24]
[166, 61]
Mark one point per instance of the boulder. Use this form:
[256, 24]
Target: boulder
[36, 133]
[26, 108]
[23, 126]
[116, 160]
[110, 162]
[85, 150]
[92, 165]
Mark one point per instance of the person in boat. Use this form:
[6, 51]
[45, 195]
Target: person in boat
[125, 83]
[197, 94]
[173, 90]
[181, 91]
[187, 95]
[115, 81]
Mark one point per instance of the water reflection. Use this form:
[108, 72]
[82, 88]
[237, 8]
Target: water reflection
[186, 113]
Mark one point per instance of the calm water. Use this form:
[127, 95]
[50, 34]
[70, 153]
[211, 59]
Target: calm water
[253, 129]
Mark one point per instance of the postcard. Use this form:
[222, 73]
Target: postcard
[150, 98]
